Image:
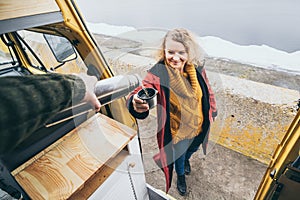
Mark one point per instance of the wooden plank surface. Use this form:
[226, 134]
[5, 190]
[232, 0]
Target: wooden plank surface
[99, 178]
[16, 8]
[74, 159]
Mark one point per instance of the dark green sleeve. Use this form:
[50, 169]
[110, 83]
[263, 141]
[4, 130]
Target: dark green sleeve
[27, 102]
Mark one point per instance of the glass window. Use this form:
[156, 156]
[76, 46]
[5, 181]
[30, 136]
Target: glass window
[54, 52]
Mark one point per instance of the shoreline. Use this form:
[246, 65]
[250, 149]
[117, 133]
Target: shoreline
[284, 79]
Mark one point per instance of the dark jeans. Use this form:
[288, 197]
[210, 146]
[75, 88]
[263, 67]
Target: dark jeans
[183, 151]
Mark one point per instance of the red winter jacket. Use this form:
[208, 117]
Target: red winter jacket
[158, 78]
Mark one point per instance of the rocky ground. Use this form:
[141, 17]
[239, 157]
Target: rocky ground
[221, 174]
[282, 79]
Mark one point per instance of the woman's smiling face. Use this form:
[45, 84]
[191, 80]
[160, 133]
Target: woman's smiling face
[175, 54]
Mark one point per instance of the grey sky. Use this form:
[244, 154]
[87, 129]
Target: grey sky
[271, 22]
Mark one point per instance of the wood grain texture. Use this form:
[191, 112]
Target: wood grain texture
[16, 8]
[93, 183]
[75, 159]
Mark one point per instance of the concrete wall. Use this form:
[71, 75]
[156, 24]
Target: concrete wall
[253, 116]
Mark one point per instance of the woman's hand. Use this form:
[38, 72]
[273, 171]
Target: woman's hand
[139, 105]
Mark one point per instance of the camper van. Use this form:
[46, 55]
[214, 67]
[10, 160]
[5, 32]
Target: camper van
[80, 154]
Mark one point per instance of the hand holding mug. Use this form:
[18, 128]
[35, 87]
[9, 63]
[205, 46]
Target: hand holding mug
[139, 105]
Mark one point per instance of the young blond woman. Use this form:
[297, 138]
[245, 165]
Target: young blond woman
[186, 104]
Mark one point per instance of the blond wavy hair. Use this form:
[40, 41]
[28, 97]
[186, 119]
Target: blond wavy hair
[195, 53]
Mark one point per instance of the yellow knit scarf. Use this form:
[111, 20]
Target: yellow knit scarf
[186, 115]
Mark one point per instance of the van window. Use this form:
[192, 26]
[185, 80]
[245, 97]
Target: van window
[38, 43]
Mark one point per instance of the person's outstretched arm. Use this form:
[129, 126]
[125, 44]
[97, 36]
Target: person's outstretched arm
[26, 102]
